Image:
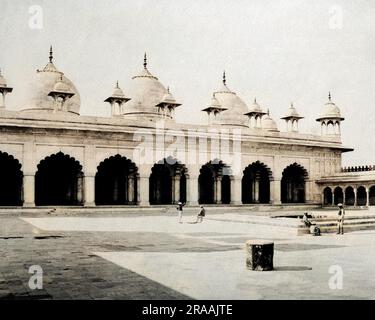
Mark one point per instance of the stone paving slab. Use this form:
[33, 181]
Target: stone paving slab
[154, 257]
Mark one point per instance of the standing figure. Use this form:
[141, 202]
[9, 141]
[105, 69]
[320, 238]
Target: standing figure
[179, 210]
[340, 219]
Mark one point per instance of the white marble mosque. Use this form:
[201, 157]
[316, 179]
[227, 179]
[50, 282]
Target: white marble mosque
[50, 155]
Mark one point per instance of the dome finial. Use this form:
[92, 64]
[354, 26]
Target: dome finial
[50, 54]
[268, 111]
[255, 100]
[224, 78]
[168, 90]
[145, 61]
[329, 95]
[117, 86]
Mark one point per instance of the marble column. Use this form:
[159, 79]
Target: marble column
[130, 189]
[143, 191]
[256, 188]
[275, 187]
[80, 190]
[29, 190]
[177, 180]
[218, 181]
[192, 190]
[236, 191]
[367, 197]
[333, 198]
[355, 197]
[89, 191]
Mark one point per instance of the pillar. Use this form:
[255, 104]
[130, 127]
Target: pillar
[29, 190]
[333, 197]
[192, 190]
[218, 181]
[130, 190]
[355, 197]
[89, 188]
[256, 188]
[236, 191]
[275, 194]
[143, 191]
[80, 190]
[176, 189]
[367, 197]
[2, 100]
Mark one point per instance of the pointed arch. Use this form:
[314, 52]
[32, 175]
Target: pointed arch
[116, 181]
[293, 184]
[11, 180]
[339, 195]
[168, 182]
[214, 183]
[327, 196]
[59, 181]
[256, 183]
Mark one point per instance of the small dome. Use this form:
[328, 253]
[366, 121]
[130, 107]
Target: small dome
[215, 103]
[255, 107]
[45, 81]
[169, 98]
[268, 123]
[292, 113]
[60, 86]
[117, 92]
[330, 111]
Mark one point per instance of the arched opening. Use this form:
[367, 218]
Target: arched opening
[339, 195]
[372, 196]
[349, 196]
[59, 181]
[10, 181]
[214, 183]
[116, 182]
[361, 196]
[168, 182]
[256, 183]
[327, 194]
[293, 184]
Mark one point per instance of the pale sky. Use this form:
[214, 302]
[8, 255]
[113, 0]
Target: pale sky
[278, 51]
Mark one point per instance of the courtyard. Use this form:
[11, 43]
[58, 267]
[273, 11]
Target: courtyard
[135, 255]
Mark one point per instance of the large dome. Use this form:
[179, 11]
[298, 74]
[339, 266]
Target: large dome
[43, 83]
[146, 92]
[236, 108]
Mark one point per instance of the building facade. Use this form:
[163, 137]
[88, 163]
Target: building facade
[50, 155]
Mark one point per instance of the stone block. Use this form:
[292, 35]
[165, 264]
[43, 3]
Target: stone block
[259, 255]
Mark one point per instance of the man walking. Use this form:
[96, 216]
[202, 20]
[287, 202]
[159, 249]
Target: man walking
[179, 210]
[340, 219]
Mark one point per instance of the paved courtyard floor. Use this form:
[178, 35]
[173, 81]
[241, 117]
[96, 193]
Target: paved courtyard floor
[132, 256]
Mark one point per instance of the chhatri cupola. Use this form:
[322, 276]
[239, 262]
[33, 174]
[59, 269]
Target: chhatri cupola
[330, 118]
[51, 91]
[255, 115]
[117, 100]
[150, 100]
[213, 110]
[4, 90]
[291, 119]
[168, 105]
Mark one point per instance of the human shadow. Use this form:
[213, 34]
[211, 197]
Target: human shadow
[292, 268]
